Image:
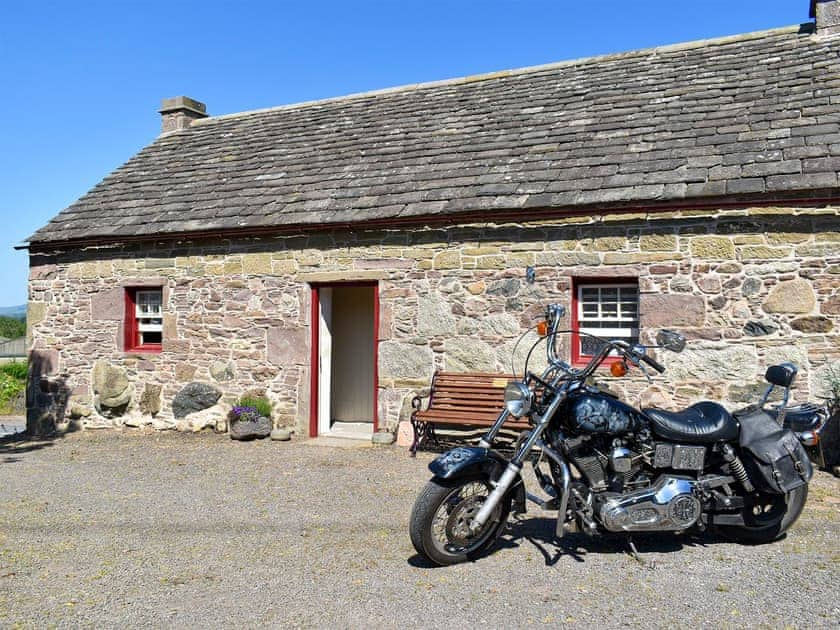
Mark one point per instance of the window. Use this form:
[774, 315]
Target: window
[607, 309]
[144, 319]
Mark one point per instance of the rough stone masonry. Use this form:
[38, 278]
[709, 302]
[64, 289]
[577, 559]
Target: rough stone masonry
[749, 287]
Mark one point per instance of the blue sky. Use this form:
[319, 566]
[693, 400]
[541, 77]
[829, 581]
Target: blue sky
[82, 81]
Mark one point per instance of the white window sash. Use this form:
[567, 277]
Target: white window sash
[148, 304]
[148, 311]
[611, 333]
[616, 330]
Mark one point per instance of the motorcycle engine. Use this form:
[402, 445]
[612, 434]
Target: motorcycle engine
[607, 463]
[670, 504]
[623, 496]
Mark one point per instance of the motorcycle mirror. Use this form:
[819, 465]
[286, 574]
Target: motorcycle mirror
[556, 311]
[670, 340]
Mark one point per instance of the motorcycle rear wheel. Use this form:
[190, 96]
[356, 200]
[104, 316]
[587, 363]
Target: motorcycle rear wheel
[439, 527]
[767, 517]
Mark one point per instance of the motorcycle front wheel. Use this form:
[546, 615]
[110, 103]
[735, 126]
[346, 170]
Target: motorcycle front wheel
[767, 516]
[440, 521]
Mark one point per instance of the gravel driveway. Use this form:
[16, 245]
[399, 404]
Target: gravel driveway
[109, 529]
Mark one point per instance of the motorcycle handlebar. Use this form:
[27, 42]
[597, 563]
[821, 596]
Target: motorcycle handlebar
[555, 312]
[553, 315]
[656, 365]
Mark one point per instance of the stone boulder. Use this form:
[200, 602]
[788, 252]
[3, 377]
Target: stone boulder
[507, 287]
[434, 317]
[222, 370]
[813, 324]
[759, 328]
[670, 310]
[149, 402]
[500, 324]
[194, 397]
[751, 393]
[405, 361]
[751, 286]
[112, 389]
[791, 296]
[465, 354]
[136, 420]
[713, 363]
[250, 430]
[209, 418]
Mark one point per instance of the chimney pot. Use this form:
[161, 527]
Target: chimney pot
[827, 16]
[179, 113]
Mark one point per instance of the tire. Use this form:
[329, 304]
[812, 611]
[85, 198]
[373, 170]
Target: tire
[768, 517]
[442, 513]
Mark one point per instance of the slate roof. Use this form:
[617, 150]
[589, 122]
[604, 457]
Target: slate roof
[756, 115]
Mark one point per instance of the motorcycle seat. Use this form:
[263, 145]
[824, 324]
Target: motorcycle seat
[702, 423]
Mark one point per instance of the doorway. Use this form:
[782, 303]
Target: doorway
[344, 361]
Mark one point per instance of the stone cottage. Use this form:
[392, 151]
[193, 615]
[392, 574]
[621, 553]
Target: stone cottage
[333, 254]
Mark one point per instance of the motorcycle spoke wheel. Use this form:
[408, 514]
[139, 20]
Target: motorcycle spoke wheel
[767, 517]
[451, 525]
[766, 510]
[442, 515]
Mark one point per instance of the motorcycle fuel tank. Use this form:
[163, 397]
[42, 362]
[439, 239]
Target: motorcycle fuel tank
[596, 413]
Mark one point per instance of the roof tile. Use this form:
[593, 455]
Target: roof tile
[706, 119]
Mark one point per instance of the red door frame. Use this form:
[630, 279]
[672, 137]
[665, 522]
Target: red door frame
[314, 324]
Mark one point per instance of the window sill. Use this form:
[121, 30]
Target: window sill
[141, 350]
[584, 361]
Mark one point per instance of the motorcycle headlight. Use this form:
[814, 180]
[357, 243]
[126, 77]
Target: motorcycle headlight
[518, 399]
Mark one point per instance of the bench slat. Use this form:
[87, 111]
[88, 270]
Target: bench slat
[454, 401]
[459, 413]
[447, 418]
[476, 425]
[470, 391]
[472, 375]
[469, 399]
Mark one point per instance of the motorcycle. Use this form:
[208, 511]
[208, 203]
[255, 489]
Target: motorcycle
[615, 469]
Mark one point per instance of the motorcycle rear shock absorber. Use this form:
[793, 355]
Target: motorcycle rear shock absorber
[737, 467]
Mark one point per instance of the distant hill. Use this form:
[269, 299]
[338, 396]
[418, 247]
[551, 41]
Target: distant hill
[16, 312]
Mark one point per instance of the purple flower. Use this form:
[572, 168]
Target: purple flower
[244, 414]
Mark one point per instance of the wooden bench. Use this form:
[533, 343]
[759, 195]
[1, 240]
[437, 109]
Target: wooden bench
[461, 400]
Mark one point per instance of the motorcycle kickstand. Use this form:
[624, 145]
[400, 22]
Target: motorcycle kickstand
[634, 553]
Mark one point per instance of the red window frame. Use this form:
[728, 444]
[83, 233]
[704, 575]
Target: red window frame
[577, 358]
[131, 326]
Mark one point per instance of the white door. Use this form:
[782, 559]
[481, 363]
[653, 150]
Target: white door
[324, 359]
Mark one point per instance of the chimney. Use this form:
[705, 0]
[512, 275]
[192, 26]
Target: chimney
[179, 113]
[827, 14]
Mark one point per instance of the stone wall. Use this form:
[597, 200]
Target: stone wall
[748, 287]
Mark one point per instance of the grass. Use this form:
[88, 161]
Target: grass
[12, 385]
[260, 403]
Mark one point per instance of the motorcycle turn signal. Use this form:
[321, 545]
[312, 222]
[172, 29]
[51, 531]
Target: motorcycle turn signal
[542, 328]
[618, 369]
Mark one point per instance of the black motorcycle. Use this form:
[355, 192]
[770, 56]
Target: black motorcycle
[613, 468]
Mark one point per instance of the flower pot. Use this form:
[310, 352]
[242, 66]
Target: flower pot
[250, 429]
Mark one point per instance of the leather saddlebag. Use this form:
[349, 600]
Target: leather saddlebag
[775, 460]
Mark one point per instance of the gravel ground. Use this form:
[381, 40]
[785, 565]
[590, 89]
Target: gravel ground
[110, 529]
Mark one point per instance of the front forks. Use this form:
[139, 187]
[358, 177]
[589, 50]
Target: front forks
[514, 467]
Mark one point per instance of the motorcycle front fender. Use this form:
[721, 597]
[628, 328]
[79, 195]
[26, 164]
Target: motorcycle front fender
[469, 460]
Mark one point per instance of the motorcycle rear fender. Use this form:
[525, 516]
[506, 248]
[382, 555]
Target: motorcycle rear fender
[469, 460]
